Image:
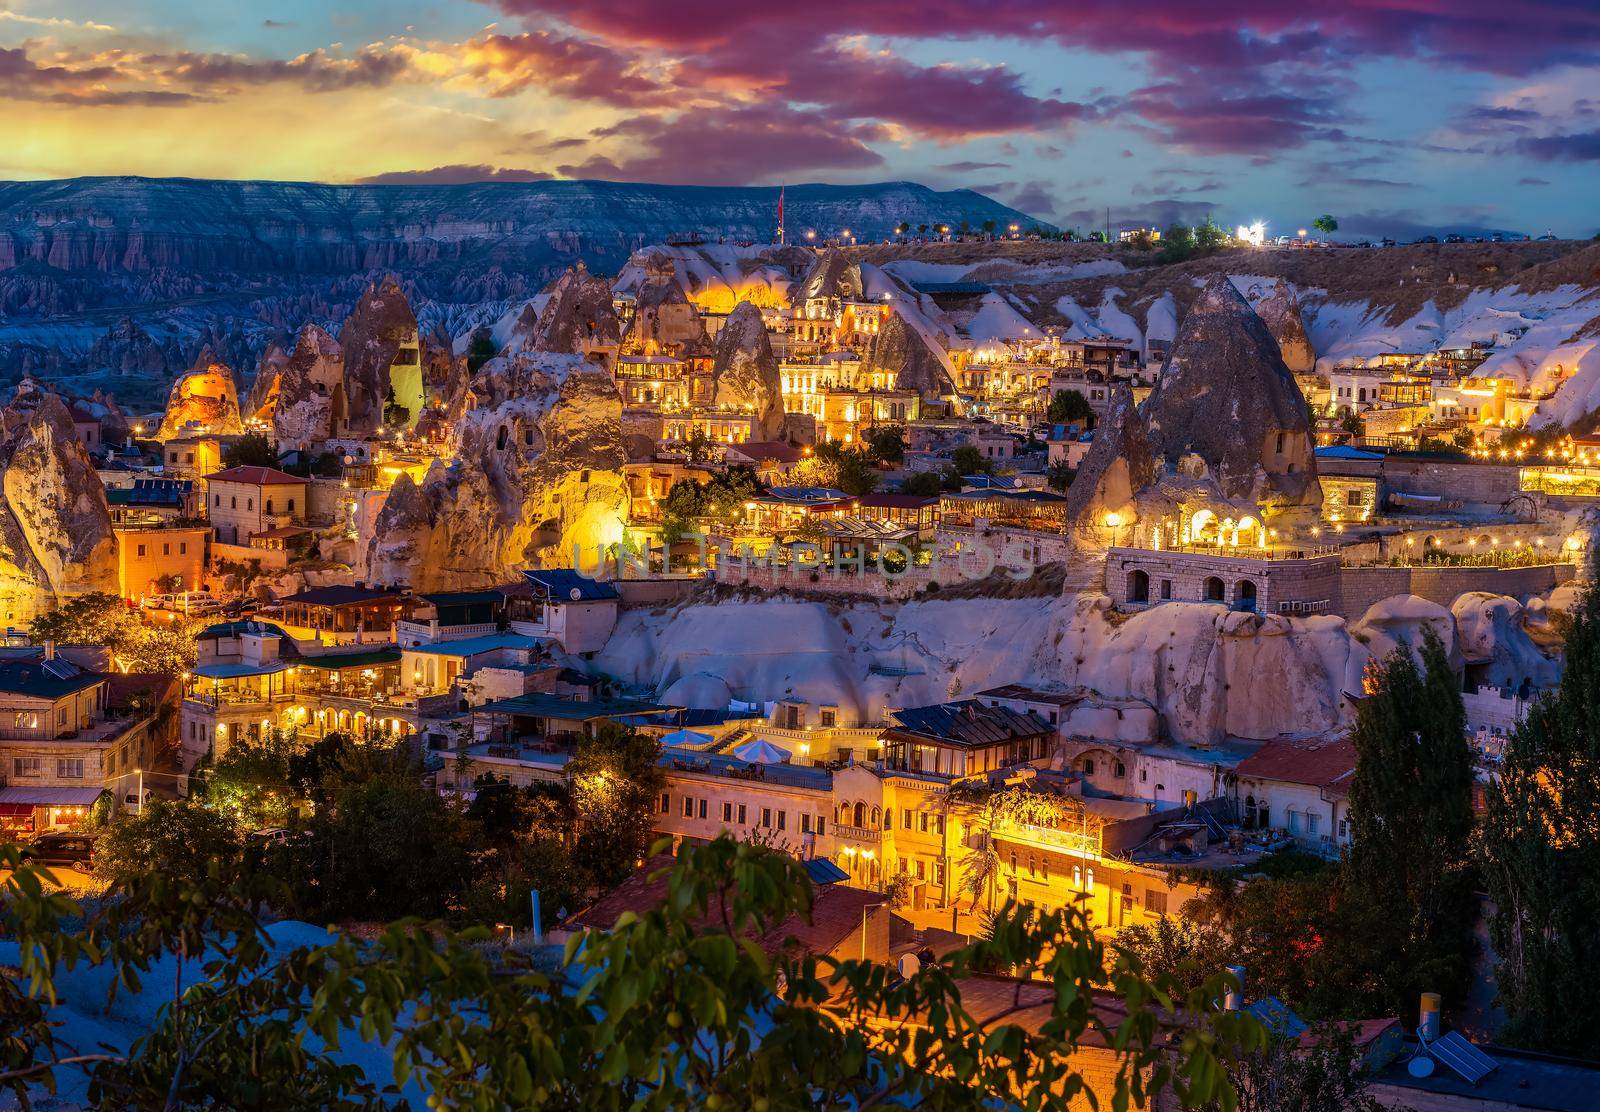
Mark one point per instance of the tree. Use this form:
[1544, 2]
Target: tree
[1325, 223]
[1060, 475]
[250, 450]
[901, 228]
[887, 443]
[699, 447]
[181, 839]
[922, 229]
[967, 460]
[1322, 1071]
[1209, 236]
[1407, 887]
[98, 618]
[250, 781]
[924, 484]
[616, 780]
[480, 350]
[988, 227]
[1540, 852]
[1186, 951]
[1177, 243]
[1069, 406]
[674, 1007]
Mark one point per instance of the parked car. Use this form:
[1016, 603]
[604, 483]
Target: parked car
[1429, 239]
[61, 848]
[1387, 242]
[1453, 238]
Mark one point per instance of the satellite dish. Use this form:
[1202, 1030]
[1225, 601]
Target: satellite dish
[575, 594]
[1420, 1066]
[909, 965]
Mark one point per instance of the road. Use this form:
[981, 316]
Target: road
[75, 881]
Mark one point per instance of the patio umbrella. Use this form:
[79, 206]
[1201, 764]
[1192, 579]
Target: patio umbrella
[685, 737]
[761, 751]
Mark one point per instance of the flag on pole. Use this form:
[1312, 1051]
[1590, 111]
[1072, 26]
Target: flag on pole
[780, 214]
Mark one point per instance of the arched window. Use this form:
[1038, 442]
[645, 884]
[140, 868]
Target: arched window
[861, 815]
[1138, 586]
[1244, 594]
[877, 817]
[1214, 590]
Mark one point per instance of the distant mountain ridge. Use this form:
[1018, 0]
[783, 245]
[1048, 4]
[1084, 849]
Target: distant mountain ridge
[141, 225]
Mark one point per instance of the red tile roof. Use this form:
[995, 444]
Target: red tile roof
[257, 476]
[836, 911]
[762, 450]
[1325, 764]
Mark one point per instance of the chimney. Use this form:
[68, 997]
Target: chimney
[1428, 1017]
[1233, 1001]
[49, 650]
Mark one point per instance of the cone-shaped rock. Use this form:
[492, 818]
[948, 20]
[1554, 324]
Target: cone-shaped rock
[1117, 468]
[579, 315]
[900, 348]
[744, 373]
[311, 402]
[202, 400]
[832, 276]
[1281, 314]
[373, 338]
[1227, 397]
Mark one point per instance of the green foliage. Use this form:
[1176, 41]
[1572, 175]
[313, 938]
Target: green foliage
[852, 470]
[1061, 475]
[967, 460]
[1407, 879]
[250, 781]
[480, 349]
[699, 448]
[178, 838]
[924, 484]
[250, 450]
[1324, 1072]
[887, 443]
[1325, 223]
[1209, 237]
[1069, 407]
[721, 498]
[1353, 425]
[1177, 243]
[1185, 951]
[674, 1007]
[616, 781]
[1539, 846]
[98, 618]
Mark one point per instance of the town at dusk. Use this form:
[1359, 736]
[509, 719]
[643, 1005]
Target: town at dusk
[617, 554]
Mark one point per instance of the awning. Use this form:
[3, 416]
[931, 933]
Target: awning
[686, 737]
[761, 751]
[50, 797]
[16, 810]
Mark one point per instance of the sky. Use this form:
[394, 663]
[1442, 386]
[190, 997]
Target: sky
[1388, 115]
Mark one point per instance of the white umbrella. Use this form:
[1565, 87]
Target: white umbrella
[761, 751]
[685, 737]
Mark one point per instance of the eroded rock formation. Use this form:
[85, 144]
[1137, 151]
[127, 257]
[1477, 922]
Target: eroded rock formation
[311, 401]
[55, 529]
[578, 316]
[372, 340]
[744, 374]
[203, 400]
[1281, 314]
[900, 348]
[536, 470]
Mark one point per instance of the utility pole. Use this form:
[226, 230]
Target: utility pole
[1108, 223]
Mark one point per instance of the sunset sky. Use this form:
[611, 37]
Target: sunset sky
[1379, 111]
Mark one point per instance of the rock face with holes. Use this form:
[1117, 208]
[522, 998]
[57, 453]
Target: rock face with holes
[309, 402]
[578, 316]
[536, 470]
[744, 373]
[1227, 400]
[203, 400]
[379, 344]
[831, 277]
[56, 539]
[899, 347]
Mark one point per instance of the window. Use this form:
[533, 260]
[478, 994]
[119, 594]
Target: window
[291, 505]
[27, 766]
[805, 824]
[1144, 775]
[233, 502]
[666, 802]
[166, 549]
[27, 720]
[938, 872]
[688, 807]
[822, 826]
[727, 812]
[1088, 766]
[1155, 902]
[922, 869]
[1166, 588]
[1352, 498]
[905, 818]
[269, 505]
[829, 715]
[741, 814]
[702, 808]
[141, 551]
[938, 825]
[922, 821]
[766, 818]
[1313, 821]
[1118, 769]
[1033, 865]
[1294, 822]
[1013, 862]
[1279, 447]
[69, 768]
[250, 503]
[216, 500]
[183, 548]
[782, 817]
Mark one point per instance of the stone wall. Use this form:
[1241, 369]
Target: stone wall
[1361, 587]
[1473, 484]
[1291, 586]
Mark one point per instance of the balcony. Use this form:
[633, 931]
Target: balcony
[1070, 841]
[857, 833]
[431, 632]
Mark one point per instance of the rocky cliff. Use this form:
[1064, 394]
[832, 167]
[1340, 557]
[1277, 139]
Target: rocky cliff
[310, 386]
[901, 348]
[203, 400]
[370, 340]
[577, 315]
[55, 528]
[1280, 312]
[1227, 399]
[536, 471]
[744, 373]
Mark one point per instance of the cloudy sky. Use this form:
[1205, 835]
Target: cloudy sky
[1381, 112]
